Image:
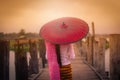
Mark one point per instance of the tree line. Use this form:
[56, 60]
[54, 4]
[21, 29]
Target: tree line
[21, 33]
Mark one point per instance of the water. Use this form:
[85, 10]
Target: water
[12, 66]
[107, 60]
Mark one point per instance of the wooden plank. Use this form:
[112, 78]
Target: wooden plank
[101, 56]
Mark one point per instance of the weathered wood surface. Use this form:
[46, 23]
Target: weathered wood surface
[96, 55]
[90, 50]
[21, 66]
[81, 71]
[115, 57]
[42, 51]
[99, 56]
[4, 60]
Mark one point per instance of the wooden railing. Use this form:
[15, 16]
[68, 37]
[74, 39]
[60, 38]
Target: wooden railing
[94, 54]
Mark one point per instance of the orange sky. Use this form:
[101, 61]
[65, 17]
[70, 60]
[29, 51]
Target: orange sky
[32, 14]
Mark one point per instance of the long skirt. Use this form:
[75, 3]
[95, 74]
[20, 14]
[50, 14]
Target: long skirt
[66, 72]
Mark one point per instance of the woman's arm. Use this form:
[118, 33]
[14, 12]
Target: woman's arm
[71, 52]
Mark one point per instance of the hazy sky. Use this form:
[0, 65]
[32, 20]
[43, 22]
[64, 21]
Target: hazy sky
[32, 14]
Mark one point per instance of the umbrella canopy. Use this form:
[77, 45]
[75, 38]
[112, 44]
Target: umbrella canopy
[64, 30]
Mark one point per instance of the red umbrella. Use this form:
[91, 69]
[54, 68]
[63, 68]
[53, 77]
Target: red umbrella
[64, 30]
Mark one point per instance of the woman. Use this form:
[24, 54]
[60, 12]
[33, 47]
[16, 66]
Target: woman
[64, 53]
[61, 31]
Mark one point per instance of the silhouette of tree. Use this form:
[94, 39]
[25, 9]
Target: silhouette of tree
[22, 32]
[1, 34]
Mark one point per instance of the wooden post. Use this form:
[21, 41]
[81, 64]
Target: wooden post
[4, 60]
[42, 50]
[89, 50]
[21, 66]
[83, 49]
[96, 54]
[115, 57]
[33, 67]
[101, 56]
[92, 43]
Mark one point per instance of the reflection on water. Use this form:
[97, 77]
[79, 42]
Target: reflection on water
[28, 57]
[107, 60]
[12, 66]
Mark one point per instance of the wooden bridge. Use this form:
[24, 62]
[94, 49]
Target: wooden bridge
[81, 71]
[89, 63]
